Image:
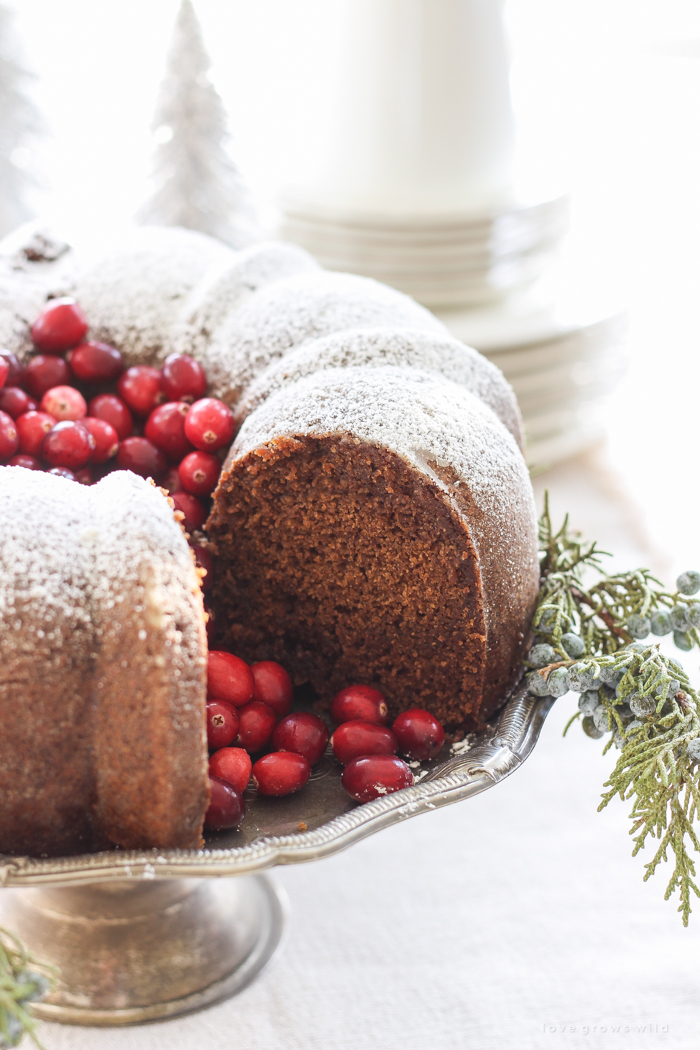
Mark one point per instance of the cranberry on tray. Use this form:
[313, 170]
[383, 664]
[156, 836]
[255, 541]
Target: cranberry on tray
[113, 410]
[419, 734]
[273, 686]
[15, 401]
[139, 386]
[304, 733]
[106, 439]
[229, 678]
[43, 372]
[9, 437]
[199, 472]
[68, 444]
[141, 455]
[361, 703]
[16, 372]
[222, 724]
[256, 726]
[194, 511]
[232, 764]
[183, 378]
[281, 773]
[226, 806]
[166, 429]
[32, 428]
[354, 739]
[59, 326]
[209, 424]
[96, 362]
[371, 776]
[64, 402]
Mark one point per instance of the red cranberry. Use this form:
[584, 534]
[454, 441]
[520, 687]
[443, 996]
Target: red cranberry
[370, 776]
[226, 807]
[114, 411]
[32, 428]
[84, 476]
[183, 379]
[141, 455]
[4, 370]
[222, 725]
[353, 739]
[233, 765]
[15, 402]
[9, 437]
[22, 460]
[43, 372]
[257, 723]
[229, 678]
[281, 773]
[194, 511]
[166, 429]
[62, 472]
[171, 481]
[273, 686]
[60, 325]
[199, 472]
[204, 561]
[106, 439]
[361, 703]
[139, 386]
[304, 733]
[64, 402]
[68, 444]
[15, 375]
[96, 362]
[419, 734]
[209, 424]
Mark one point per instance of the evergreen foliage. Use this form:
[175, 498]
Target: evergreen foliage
[628, 688]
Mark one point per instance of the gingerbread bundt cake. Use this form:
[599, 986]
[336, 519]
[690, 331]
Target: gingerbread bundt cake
[374, 521]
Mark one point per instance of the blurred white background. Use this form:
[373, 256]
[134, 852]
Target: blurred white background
[607, 93]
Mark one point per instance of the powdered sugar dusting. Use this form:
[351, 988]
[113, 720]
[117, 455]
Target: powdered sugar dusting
[378, 347]
[288, 313]
[450, 437]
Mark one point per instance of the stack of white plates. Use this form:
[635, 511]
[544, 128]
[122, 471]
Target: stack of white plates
[562, 353]
[440, 260]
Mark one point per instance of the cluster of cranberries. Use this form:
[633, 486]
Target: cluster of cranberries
[249, 710]
[75, 410]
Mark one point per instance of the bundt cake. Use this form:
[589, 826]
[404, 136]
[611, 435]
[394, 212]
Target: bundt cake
[103, 673]
[374, 521]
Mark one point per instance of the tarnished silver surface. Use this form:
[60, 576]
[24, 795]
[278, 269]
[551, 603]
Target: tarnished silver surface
[271, 831]
[143, 935]
[134, 951]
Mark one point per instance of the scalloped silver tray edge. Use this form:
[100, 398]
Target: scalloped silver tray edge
[496, 753]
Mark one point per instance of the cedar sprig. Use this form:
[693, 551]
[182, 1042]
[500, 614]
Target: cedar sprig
[23, 980]
[628, 688]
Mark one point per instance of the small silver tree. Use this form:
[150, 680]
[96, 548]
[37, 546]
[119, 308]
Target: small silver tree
[197, 184]
[20, 122]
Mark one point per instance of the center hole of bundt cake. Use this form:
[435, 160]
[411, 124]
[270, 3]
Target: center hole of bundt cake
[345, 564]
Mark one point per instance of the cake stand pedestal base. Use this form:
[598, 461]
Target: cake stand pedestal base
[130, 952]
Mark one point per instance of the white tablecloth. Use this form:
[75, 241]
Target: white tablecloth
[514, 920]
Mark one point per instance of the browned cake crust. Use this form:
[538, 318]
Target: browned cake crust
[102, 682]
[348, 560]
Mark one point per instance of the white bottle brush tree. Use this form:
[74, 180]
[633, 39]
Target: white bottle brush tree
[20, 123]
[198, 186]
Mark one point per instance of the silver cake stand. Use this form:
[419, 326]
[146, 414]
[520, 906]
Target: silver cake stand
[144, 935]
